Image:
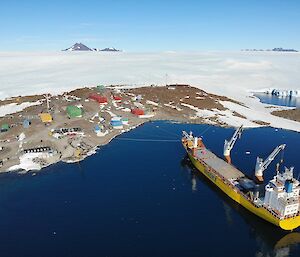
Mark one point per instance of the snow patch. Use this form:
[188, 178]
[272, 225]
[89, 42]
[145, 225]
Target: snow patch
[223, 116]
[27, 163]
[14, 107]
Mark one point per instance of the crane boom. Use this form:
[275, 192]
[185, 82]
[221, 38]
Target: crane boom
[261, 165]
[186, 135]
[228, 145]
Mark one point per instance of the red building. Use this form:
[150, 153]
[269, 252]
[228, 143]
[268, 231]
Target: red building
[117, 98]
[137, 112]
[98, 98]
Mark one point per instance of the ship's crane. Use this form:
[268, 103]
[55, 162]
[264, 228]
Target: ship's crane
[192, 142]
[190, 137]
[186, 135]
[261, 165]
[228, 145]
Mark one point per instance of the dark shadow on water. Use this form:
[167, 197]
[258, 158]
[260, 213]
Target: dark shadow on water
[81, 170]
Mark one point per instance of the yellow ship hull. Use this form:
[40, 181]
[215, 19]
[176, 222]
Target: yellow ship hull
[286, 224]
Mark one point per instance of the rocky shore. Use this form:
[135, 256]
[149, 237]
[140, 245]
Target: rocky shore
[37, 131]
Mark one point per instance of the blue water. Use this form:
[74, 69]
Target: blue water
[276, 100]
[137, 198]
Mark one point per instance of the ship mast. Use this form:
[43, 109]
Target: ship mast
[228, 145]
[261, 165]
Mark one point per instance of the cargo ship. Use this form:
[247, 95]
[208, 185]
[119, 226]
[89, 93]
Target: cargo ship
[276, 201]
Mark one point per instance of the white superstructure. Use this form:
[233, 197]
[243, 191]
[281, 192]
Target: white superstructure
[282, 194]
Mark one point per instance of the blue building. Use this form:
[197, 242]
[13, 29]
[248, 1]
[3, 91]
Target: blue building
[26, 123]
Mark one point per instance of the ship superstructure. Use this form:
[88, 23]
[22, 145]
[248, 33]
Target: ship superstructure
[282, 194]
[276, 202]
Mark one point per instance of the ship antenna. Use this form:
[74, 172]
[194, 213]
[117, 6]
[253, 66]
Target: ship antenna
[281, 161]
[282, 156]
[277, 168]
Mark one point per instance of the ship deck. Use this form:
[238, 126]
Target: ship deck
[219, 165]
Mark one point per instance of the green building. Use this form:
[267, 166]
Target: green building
[100, 88]
[74, 111]
[4, 127]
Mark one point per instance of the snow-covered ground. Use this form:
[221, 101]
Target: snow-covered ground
[27, 163]
[232, 74]
[14, 107]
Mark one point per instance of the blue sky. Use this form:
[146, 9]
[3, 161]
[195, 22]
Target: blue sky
[146, 25]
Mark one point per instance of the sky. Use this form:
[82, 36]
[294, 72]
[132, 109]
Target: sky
[150, 25]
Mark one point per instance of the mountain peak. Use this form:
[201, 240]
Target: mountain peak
[107, 49]
[82, 47]
[78, 47]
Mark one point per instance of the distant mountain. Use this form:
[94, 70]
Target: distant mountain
[280, 49]
[78, 47]
[107, 49]
[82, 47]
[276, 49]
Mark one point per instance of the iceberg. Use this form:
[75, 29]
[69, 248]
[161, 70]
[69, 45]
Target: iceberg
[284, 92]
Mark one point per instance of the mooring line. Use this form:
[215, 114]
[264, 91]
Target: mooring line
[147, 140]
[166, 131]
[205, 130]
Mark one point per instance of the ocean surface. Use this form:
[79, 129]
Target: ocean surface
[140, 196]
[278, 100]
